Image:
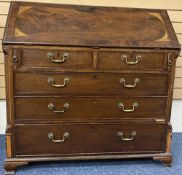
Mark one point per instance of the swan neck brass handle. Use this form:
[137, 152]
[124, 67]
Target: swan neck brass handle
[125, 58]
[123, 138]
[52, 82]
[65, 136]
[64, 109]
[65, 56]
[123, 81]
[122, 106]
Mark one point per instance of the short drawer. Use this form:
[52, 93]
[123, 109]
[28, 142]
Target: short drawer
[87, 108]
[70, 139]
[63, 58]
[91, 83]
[125, 60]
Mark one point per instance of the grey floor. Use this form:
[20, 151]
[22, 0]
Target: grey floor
[112, 167]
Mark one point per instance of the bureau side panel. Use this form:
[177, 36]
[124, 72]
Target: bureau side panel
[10, 142]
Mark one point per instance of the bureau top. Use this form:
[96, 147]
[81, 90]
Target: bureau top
[76, 25]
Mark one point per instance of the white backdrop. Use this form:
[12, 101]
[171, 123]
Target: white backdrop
[176, 116]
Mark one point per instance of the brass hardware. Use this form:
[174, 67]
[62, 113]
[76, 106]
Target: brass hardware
[121, 105]
[16, 55]
[15, 59]
[65, 56]
[52, 107]
[123, 81]
[125, 58]
[169, 60]
[121, 135]
[65, 136]
[51, 80]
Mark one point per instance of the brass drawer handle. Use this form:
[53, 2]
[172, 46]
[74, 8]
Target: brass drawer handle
[65, 136]
[123, 81]
[52, 81]
[65, 56]
[125, 58]
[121, 135]
[121, 105]
[52, 108]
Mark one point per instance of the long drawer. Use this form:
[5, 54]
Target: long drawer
[91, 83]
[35, 108]
[89, 139]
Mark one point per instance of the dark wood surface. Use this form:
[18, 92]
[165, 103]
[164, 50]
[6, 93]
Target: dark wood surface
[148, 61]
[91, 83]
[110, 44]
[67, 25]
[87, 108]
[89, 139]
[83, 59]
[78, 59]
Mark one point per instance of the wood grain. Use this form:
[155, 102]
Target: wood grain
[104, 99]
[113, 60]
[90, 83]
[96, 34]
[102, 139]
[91, 107]
[175, 15]
[8, 146]
[77, 59]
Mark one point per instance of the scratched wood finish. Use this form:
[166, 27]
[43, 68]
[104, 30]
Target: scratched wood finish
[99, 79]
[173, 9]
[89, 138]
[78, 59]
[99, 27]
[89, 108]
[82, 59]
[147, 61]
[91, 83]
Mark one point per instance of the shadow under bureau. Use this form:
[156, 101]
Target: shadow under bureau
[85, 82]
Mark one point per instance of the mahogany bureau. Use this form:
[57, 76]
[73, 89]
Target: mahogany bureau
[87, 82]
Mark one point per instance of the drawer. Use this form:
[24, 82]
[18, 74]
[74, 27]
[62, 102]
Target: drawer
[89, 139]
[91, 83]
[63, 58]
[85, 108]
[132, 60]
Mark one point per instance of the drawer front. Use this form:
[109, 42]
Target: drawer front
[91, 83]
[89, 138]
[132, 60]
[65, 59]
[34, 108]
